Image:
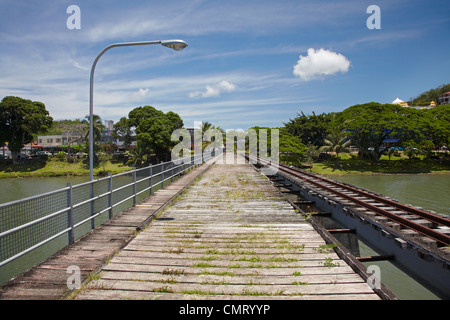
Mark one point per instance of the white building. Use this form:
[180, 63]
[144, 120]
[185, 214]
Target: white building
[399, 102]
[56, 141]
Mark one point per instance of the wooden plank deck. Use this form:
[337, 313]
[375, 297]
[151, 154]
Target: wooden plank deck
[48, 280]
[230, 235]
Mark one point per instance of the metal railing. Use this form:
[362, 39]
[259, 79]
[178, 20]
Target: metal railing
[67, 214]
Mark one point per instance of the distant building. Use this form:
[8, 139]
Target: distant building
[444, 98]
[404, 104]
[107, 135]
[59, 141]
[109, 124]
[400, 102]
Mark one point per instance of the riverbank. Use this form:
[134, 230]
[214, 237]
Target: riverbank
[345, 166]
[402, 166]
[55, 168]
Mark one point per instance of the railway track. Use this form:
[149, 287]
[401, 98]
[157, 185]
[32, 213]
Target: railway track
[431, 228]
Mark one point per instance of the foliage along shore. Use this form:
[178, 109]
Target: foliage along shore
[348, 164]
[58, 169]
[349, 167]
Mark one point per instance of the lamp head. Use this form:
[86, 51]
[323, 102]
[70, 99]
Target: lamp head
[176, 45]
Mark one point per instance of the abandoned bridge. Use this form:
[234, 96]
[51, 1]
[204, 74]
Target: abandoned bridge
[225, 231]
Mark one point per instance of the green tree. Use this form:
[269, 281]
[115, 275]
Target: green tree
[439, 125]
[205, 127]
[311, 154]
[425, 98]
[98, 129]
[154, 129]
[290, 143]
[391, 152]
[208, 127]
[336, 141]
[311, 129]
[138, 156]
[411, 149]
[20, 119]
[103, 158]
[290, 147]
[123, 131]
[371, 123]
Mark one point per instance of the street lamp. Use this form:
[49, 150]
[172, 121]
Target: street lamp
[176, 45]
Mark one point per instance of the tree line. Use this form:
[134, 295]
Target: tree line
[369, 126]
[365, 126]
[431, 95]
[21, 120]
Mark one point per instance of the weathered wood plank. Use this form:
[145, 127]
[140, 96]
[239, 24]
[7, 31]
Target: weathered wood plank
[231, 235]
[180, 262]
[233, 279]
[164, 269]
[142, 295]
[243, 290]
[229, 257]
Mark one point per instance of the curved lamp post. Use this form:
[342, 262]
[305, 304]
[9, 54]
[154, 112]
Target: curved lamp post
[176, 45]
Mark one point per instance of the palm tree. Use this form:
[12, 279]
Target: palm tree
[206, 126]
[311, 154]
[138, 156]
[336, 141]
[98, 129]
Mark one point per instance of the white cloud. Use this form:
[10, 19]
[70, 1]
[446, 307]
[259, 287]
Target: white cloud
[320, 62]
[142, 93]
[214, 90]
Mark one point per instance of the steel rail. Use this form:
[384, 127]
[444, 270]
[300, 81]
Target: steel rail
[421, 213]
[428, 232]
[435, 235]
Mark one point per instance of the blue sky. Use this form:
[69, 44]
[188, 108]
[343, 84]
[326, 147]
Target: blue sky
[248, 62]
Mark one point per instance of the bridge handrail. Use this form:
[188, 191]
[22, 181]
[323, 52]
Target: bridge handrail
[40, 223]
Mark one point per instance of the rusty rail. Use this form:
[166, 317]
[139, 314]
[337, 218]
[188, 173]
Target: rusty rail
[421, 213]
[424, 230]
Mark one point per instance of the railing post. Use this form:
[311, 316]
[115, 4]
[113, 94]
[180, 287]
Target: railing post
[162, 175]
[134, 185]
[150, 178]
[92, 204]
[70, 213]
[171, 172]
[110, 201]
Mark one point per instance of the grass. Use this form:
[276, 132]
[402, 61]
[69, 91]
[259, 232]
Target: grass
[325, 248]
[165, 289]
[329, 263]
[55, 168]
[350, 164]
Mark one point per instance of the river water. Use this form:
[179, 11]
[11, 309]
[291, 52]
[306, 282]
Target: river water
[19, 188]
[429, 191]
